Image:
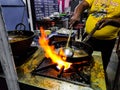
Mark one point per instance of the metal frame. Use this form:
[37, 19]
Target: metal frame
[117, 75]
[30, 19]
[6, 57]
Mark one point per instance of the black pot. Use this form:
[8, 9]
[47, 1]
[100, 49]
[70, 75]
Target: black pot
[83, 49]
[20, 46]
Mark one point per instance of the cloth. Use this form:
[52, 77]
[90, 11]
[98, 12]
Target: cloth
[61, 4]
[67, 2]
[103, 9]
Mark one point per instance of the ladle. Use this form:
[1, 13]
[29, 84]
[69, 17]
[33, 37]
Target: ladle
[67, 50]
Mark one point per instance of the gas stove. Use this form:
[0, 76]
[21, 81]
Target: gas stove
[94, 70]
[78, 73]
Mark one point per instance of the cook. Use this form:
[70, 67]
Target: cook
[105, 14]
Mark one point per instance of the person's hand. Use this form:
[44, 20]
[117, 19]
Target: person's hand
[73, 19]
[102, 23]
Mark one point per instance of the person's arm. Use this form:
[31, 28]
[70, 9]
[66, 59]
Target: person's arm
[108, 21]
[78, 11]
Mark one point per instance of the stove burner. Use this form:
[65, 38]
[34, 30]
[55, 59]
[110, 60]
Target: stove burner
[77, 73]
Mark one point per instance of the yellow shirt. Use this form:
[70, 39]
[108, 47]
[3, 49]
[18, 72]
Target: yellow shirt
[103, 9]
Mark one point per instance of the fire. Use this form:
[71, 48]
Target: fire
[51, 53]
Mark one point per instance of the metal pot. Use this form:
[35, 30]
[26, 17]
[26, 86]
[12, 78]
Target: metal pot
[81, 51]
[20, 40]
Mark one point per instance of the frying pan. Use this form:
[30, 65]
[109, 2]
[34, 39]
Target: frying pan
[82, 50]
[20, 40]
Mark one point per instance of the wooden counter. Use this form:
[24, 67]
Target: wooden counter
[25, 77]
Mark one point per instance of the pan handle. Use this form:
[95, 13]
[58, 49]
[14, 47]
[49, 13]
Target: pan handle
[20, 25]
[91, 33]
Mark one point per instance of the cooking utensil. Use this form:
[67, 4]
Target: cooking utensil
[91, 33]
[82, 50]
[67, 50]
[20, 40]
[83, 45]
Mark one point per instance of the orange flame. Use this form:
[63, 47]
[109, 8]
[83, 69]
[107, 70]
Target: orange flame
[50, 51]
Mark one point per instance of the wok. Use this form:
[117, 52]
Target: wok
[82, 50]
[20, 40]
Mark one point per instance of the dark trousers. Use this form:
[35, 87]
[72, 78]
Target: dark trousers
[106, 48]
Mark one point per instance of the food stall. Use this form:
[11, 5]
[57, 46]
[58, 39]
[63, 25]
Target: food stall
[33, 68]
